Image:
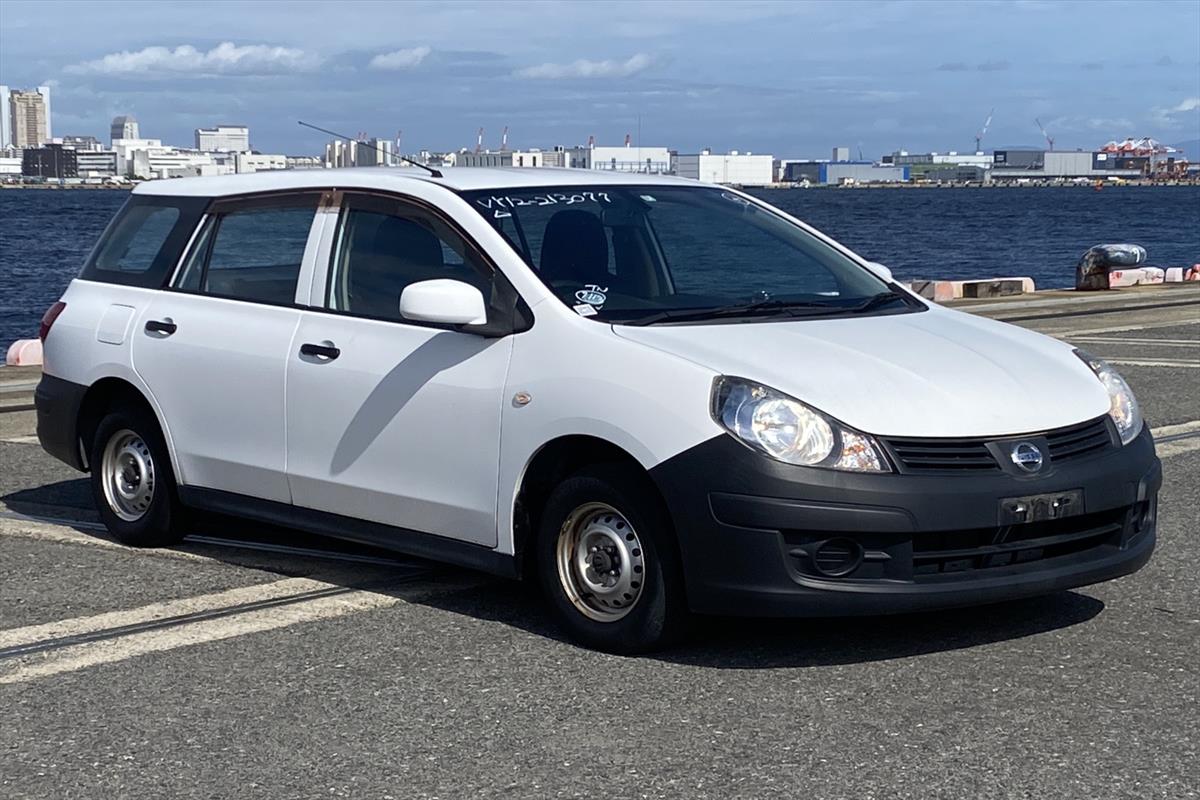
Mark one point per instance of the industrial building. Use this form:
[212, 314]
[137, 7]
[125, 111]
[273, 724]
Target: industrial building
[850, 172]
[360, 153]
[904, 158]
[627, 158]
[958, 173]
[504, 158]
[1061, 165]
[738, 169]
[52, 162]
[96, 163]
[226, 138]
[257, 162]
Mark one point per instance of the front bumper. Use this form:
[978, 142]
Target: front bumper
[751, 531]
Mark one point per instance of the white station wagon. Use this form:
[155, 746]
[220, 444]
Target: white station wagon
[656, 397]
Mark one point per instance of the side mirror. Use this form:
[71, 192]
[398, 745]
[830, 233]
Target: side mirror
[445, 301]
[881, 271]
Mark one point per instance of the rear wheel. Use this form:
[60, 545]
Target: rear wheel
[132, 482]
[608, 564]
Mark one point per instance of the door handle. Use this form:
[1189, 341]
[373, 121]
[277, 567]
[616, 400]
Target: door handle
[165, 327]
[325, 351]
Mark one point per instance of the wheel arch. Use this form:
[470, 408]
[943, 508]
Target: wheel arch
[548, 466]
[104, 396]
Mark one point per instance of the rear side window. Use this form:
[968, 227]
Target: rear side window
[251, 251]
[144, 241]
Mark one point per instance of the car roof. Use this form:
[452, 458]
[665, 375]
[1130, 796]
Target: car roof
[397, 178]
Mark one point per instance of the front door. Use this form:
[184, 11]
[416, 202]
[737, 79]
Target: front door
[389, 420]
[213, 349]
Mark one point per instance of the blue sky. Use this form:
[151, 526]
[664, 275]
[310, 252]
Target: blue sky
[793, 79]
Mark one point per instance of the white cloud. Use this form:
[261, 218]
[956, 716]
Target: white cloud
[589, 69]
[224, 59]
[400, 59]
[1171, 117]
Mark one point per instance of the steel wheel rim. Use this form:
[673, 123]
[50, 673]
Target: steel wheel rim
[127, 475]
[601, 562]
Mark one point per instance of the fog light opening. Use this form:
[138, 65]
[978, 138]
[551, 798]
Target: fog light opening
[837, 558]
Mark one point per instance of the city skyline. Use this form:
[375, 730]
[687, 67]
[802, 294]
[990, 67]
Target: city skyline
[791, 79]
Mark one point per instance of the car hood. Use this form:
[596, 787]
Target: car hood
[934, 373]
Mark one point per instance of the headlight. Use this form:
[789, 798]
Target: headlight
[1122, 405]
[787, 430]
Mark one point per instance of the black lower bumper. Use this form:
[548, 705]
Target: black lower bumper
[58, 403]
[763, 538]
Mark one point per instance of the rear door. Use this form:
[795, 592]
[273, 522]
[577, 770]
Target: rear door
[391, 420]
[213, 348]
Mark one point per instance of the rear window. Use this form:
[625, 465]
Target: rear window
[144, 241]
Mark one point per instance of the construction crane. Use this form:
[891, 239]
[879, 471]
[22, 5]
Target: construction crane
[983, 132]
[1049, 138]
[479, 142]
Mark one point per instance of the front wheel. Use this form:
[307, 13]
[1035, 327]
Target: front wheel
[132, 481]
[608, 564]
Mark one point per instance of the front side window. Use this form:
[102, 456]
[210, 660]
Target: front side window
[383, 245]
[644, 254]
[251, 252]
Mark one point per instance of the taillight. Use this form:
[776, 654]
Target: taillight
[48, 319]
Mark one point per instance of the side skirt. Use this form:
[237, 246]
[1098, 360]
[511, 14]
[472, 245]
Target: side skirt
[336, 526]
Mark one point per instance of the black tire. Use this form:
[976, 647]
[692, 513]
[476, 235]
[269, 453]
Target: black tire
[659, 615]
[159, 522]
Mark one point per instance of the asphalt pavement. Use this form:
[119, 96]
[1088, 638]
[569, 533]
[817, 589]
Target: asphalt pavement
[262, 663]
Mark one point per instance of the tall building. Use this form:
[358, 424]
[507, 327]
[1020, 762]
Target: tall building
[230, 138]
[123, 127]
[5, 119]
[29, 112]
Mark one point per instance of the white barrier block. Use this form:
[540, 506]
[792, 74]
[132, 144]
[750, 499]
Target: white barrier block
[25, 353]
[1174, 275]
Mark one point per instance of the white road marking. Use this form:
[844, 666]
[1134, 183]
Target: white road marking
[1068, 334]
[20, 439]
[1177, 428]
[1152, 362]
[1131, 340]
[16, 637]
[90, 654]
[1169, 449]
[27, 528]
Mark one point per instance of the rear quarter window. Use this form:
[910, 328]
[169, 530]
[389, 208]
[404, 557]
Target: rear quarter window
[144, 241]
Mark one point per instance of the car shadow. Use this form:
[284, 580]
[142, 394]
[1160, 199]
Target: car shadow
[714, 642]
[741, 643]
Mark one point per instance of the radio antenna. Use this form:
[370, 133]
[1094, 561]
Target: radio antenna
[433, 172]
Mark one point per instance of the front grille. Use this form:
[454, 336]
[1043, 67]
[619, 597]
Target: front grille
[943, 455]
[1067, 444]
[973, 455]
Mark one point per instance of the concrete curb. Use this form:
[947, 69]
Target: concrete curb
[940, 291]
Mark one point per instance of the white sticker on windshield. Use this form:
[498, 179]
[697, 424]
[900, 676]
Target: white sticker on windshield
[592, 295]
[585, 310]
[649, 198]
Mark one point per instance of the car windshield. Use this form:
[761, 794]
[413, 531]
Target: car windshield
[648, 254]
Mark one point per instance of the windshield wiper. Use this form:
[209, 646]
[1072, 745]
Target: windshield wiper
[741, 309]
[876, 301]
